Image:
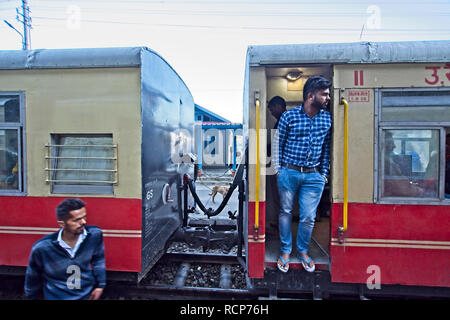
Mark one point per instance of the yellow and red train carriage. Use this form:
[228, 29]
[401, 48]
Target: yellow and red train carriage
[384, 216]
[114, 127]
[106, 125]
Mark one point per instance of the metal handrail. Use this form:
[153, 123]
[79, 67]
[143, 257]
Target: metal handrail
[89, 158]
[345, 209]
[78, 169]
[80, 181]
[257, 127]
[81, 145]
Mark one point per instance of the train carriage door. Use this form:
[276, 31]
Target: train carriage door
[286, 82]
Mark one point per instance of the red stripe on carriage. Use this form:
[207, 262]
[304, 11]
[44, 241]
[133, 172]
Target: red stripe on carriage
[121, 253]
[395, 244]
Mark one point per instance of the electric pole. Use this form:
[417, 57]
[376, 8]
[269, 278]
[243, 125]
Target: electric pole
[26, 43]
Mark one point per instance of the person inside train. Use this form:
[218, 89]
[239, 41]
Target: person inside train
[276, 106]
[302, 166]
[8, 162]
[397, 172]
[70, 263]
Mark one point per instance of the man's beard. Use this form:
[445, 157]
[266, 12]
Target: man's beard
[319, 105]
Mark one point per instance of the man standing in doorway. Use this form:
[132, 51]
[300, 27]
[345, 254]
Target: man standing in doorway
[302, 167]
[70, 263]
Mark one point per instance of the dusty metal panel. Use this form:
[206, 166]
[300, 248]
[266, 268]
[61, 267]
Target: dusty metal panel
[361, 140]
[167, 108]
[358, 52]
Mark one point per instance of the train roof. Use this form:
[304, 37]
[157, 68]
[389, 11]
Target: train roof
[357, 52]
[71, 58]
[119, 57]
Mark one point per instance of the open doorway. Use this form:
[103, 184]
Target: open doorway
[287, 82]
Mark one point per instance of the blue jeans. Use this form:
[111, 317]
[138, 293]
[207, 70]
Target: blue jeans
[309, 187]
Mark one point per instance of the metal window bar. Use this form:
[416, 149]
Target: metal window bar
[52, 160]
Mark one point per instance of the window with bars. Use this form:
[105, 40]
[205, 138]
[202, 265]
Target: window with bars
[83, 164]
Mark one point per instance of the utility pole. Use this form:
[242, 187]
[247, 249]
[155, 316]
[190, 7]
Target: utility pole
[26, 43]
[12, 27]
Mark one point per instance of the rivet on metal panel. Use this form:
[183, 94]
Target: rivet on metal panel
[341, 238]
[255, 233]
[341, 95]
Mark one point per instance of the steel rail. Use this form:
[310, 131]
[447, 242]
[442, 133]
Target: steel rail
[196, 257]
[172, 292]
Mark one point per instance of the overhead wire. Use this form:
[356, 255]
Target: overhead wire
[262, 28]
[259, 3]
[195, 12]
[40, 20]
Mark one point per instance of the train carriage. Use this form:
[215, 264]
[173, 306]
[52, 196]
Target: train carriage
[114, 126]
[110, 126]
[376, 226]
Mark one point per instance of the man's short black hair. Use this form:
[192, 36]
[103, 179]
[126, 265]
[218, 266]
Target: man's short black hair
[313, 84]
[64, 207]
[277, 100]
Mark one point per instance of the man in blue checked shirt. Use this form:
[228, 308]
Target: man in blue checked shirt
[302, 165]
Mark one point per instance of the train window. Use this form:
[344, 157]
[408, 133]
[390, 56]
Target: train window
[410, 163]
[415, 105]
[11, 130]
[82, 164]
[411, 159]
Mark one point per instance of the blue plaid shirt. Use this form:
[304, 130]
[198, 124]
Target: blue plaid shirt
[303, 141]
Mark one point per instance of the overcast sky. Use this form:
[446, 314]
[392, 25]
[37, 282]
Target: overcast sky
[206, 41]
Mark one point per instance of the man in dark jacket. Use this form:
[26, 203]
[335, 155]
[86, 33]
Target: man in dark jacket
[70, 263]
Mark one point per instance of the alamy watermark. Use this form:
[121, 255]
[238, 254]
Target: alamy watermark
[214, 149]
[73, 21]
[374, 19]
[374, 279]
[74, 279]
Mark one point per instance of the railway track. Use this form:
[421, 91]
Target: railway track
[196, 276]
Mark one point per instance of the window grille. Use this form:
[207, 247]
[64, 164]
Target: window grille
[81, 164]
